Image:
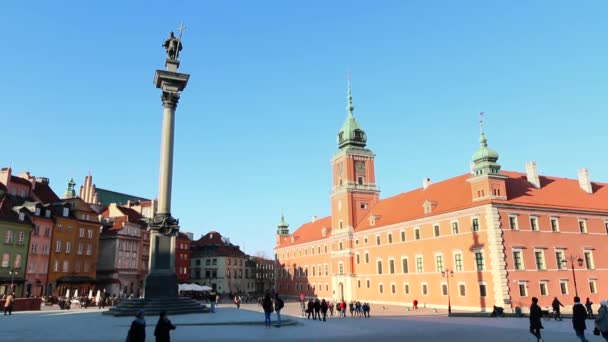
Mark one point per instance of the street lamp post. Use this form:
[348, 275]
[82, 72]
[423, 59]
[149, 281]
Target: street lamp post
[12, 272]
[579, 260]
[447, 274]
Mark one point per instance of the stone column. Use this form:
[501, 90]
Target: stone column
[162, 281]
[166, 153]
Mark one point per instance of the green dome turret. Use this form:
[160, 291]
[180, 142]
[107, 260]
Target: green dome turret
[283, 226]
[484, 151]
[351, 134]
[485, 159]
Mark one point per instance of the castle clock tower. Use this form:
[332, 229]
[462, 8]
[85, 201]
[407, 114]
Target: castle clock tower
[354, 193]
[354, 190]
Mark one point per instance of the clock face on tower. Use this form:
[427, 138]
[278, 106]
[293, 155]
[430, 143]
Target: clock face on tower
[360, 166]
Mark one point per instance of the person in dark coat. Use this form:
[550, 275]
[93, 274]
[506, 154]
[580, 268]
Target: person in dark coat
[310, 309]
[137, 332]
[163, 328]
[589, 307]
[268, 308]
[556, 304]
[579, 315]
[535, 316]
[324, 308]
[317, 307]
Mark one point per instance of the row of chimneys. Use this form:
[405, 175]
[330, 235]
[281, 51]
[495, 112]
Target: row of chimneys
[584, 182]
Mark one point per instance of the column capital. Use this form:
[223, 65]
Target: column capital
[170, 99]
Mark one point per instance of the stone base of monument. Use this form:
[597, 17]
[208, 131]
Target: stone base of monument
[153, 307]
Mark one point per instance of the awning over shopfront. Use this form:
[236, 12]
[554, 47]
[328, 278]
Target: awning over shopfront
[76, 280]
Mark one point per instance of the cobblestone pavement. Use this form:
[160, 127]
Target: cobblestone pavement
[389, 324]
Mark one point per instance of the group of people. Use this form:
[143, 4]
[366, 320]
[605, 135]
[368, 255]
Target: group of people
[162, 332]
[580, 313]
[269, 305]
[318, 309]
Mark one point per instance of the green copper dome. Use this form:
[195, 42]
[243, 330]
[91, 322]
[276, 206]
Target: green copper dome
[485, 159]
[484, 152]
[351, 134]
[283, 223]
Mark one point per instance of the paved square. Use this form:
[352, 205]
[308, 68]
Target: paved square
[91, 325]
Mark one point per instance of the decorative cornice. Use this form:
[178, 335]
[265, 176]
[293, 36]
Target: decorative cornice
[169, 99]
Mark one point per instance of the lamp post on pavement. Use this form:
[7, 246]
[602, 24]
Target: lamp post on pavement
[12, 272]
[580, 261]
[447, 274]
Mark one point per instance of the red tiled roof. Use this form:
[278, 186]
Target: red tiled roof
[308, 232]
[45, 194]
[211, 238]
[134, 216]
[448, 195]
[19, 180]
[455, 194]
[555, 193]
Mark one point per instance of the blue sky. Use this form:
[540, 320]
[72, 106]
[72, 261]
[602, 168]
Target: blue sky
[256, 126]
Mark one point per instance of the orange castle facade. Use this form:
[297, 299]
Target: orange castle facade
[489, 237]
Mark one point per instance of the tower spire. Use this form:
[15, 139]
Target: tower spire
[350, 108]
[485, 159]
[350, 134]
[483, 141]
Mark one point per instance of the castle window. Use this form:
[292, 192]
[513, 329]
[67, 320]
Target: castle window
[363, 205]
[360, 180]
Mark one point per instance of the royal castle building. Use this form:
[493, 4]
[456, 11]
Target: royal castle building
[484, 238]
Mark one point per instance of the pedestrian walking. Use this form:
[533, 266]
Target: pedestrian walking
[310, 309]
[317, 307]
[343, 308]
[535, 316]
[267, 306]
[212, 299]
[278, 306]
[8, 304]
[137, 332]
[601, 322]
[163, 328]
[324, 309]
[589, 307]
[556, 304]
[331, 309]
[237, 301]
[579, 315]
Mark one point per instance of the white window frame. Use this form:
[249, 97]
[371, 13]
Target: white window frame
[592, 283]
[525, 284]
[584, 229]
[407, 263]
[422, 263]
[442, 263]
[454, 254]
[540, 288]
[556, 220]
[473, 225]
[380, 288]
[563, 281]
[424, 285]
[393, 288]
[462, 283]
[534, 219]
[457, 227]
[436, 230]
[521, 259]
[406, 288]
[417, 234]
[544, 260]
[590, 253]
[516, 221]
